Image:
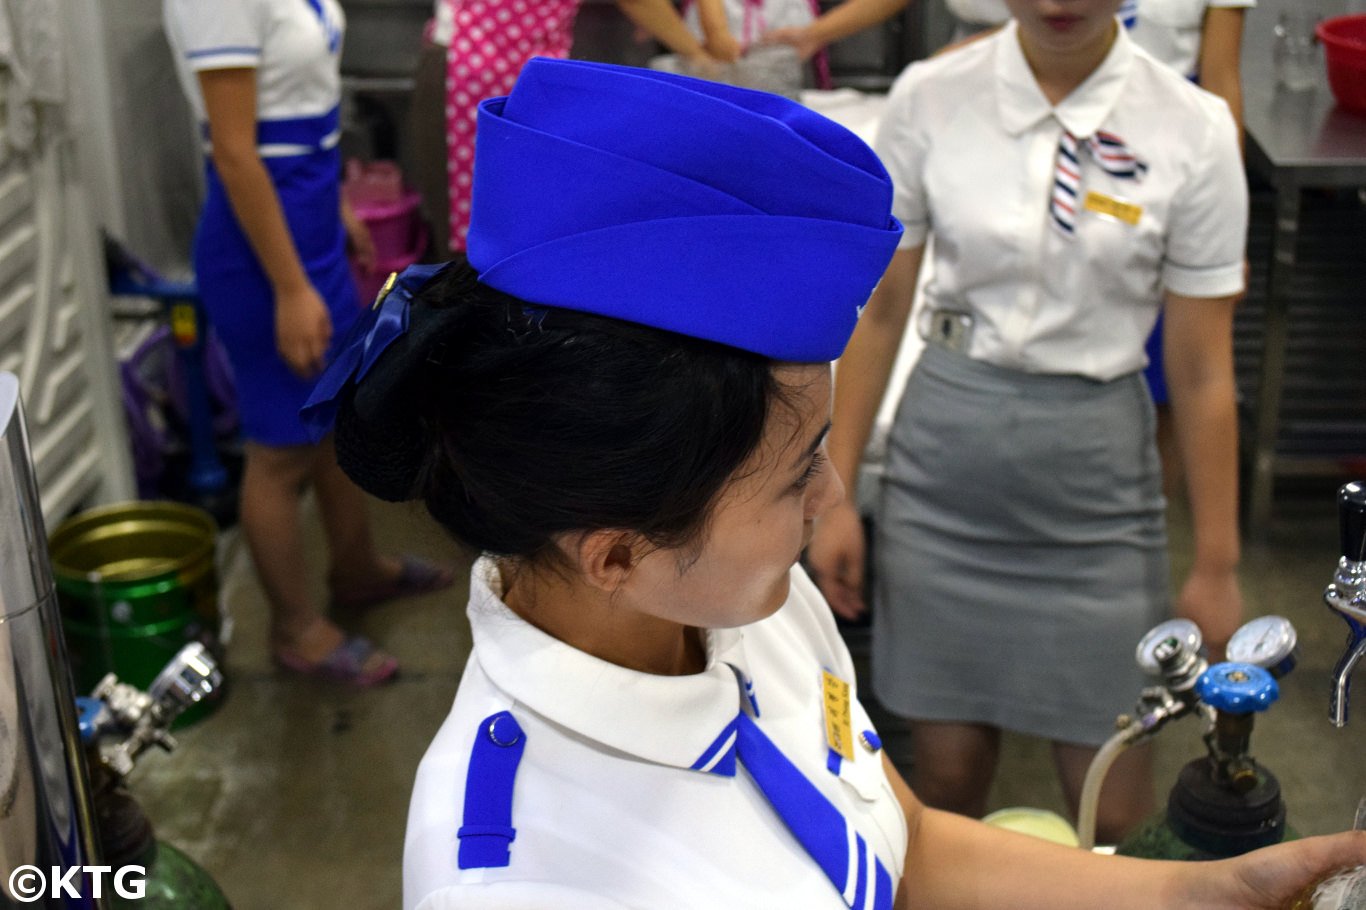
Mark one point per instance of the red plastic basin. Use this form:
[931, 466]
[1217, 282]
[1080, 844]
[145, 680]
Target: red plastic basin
[1344, 51]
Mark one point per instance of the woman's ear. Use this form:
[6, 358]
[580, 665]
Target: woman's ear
[606, 557]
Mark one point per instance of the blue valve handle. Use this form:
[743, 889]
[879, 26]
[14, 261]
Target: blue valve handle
[88, 716]
[1236, 688]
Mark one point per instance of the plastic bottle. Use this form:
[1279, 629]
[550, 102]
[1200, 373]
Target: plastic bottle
[1344, 890]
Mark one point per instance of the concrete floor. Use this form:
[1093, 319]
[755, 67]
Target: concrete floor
[294, 793]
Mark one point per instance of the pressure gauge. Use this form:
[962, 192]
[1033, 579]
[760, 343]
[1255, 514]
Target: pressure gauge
[1268, 642]
[1183, 631]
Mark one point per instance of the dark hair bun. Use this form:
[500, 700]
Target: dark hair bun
[516, 422]
[382, 438]
[383, 456]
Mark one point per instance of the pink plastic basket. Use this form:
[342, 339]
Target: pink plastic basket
[394, 226]
[373, 182]
[368, 285]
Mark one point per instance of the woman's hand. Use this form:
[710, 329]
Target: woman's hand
[799, 37]
[1212, 600]
[835, 557]
[303, 330]
[723, 48]
[1271, 878]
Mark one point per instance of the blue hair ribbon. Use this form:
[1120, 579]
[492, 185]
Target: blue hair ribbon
[376, 329]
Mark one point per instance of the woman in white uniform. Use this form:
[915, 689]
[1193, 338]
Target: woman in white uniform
[622, 400]
[263, 79]
[1073, 185]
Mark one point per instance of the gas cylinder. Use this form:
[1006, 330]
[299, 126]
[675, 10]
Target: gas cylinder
[1224, 803]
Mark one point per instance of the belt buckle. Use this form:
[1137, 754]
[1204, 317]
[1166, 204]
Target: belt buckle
[950, 329]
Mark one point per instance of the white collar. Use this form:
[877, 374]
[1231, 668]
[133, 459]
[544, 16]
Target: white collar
[669, 720]
[1022, 103]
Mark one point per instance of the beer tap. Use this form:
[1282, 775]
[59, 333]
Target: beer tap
[1347, 594]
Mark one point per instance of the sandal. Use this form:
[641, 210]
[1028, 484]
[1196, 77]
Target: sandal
[415, 576]
[346, 663]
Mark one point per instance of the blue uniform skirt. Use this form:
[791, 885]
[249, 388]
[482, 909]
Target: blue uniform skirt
[1020, 549]
[240, 302]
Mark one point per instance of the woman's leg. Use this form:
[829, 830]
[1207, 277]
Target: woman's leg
[272, 486]
[1125, 799]
[355, 564]
[954, 765]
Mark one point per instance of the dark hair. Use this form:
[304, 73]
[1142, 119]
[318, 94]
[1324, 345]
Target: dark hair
[520, 422]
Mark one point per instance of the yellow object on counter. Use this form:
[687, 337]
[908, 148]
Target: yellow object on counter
[1036, 822]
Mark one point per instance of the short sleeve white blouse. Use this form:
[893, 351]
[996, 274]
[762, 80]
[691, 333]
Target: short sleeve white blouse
[622, 798]
[972, 148]
[293, 46]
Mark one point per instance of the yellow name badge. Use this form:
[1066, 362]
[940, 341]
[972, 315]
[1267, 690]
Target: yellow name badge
[839, 724]
[1112, 207]
[183, 324]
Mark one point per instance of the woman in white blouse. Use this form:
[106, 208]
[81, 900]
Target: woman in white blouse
[1073, 186]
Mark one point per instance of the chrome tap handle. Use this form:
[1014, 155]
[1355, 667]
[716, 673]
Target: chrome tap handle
[1342, 680]
[1352, 521]
[190, 677]
[1346, 595]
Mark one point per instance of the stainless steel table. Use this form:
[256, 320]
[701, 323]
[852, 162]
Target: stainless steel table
[1295, 141]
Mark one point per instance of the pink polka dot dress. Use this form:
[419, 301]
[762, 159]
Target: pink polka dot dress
[492, 40]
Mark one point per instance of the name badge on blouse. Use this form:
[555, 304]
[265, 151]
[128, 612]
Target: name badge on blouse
[1110, 207]
[839, 724]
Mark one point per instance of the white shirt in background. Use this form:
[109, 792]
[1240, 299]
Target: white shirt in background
[971, 145]
[1171, 30]
[443, 22]
[748, 20]
[294, 48]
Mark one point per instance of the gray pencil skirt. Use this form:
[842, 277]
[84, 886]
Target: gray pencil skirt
[1020, 549]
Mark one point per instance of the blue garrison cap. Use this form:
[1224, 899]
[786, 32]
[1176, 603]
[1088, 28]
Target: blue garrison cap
[716, 212]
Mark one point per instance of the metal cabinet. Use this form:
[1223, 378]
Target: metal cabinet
[54, 326]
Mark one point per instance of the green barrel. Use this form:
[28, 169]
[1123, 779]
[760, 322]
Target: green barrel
[136, 582]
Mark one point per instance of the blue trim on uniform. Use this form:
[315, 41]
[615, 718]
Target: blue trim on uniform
[1156, 371]
[220, 51]
[299, 130]
[486, 831]
[1128, 13]
[726, 766]
[329, 27]
[305, 131]
[885, 891]
[818, 826]
[833, 762]
[861, 889]
[749, 692]
[309, 131]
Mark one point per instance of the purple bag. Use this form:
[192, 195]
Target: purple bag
[154, 403]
